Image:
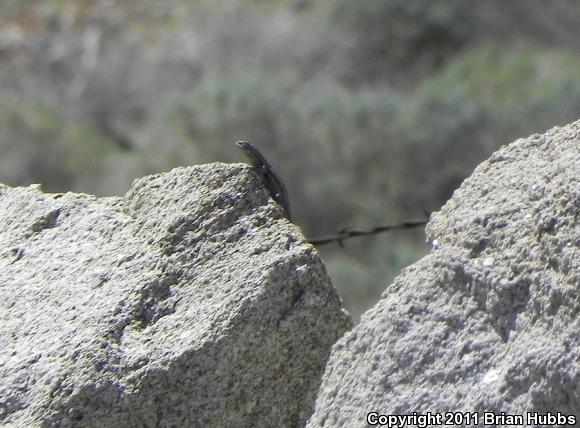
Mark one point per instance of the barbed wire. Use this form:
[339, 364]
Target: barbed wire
[348, 233]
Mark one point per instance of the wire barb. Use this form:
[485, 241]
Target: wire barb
[348, 232]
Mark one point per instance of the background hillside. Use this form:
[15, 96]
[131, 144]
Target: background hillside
[373, 111]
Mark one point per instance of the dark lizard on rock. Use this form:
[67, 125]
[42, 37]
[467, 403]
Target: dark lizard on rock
[269, 176]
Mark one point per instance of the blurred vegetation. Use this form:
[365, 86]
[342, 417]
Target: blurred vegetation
[373, 111]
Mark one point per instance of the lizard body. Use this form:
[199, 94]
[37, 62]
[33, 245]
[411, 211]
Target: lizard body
[269, 176]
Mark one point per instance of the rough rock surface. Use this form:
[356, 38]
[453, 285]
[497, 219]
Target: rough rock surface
[190, 301]
[489, 321]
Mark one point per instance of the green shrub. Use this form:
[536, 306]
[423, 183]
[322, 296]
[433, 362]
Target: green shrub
[39, 145]
[485, 98]
[397, 39]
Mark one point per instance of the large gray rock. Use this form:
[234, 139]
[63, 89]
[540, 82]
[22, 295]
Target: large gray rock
[488, 322]
[190, 301]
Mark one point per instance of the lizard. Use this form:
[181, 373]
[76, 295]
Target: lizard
[278, 192]
[270, 178]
